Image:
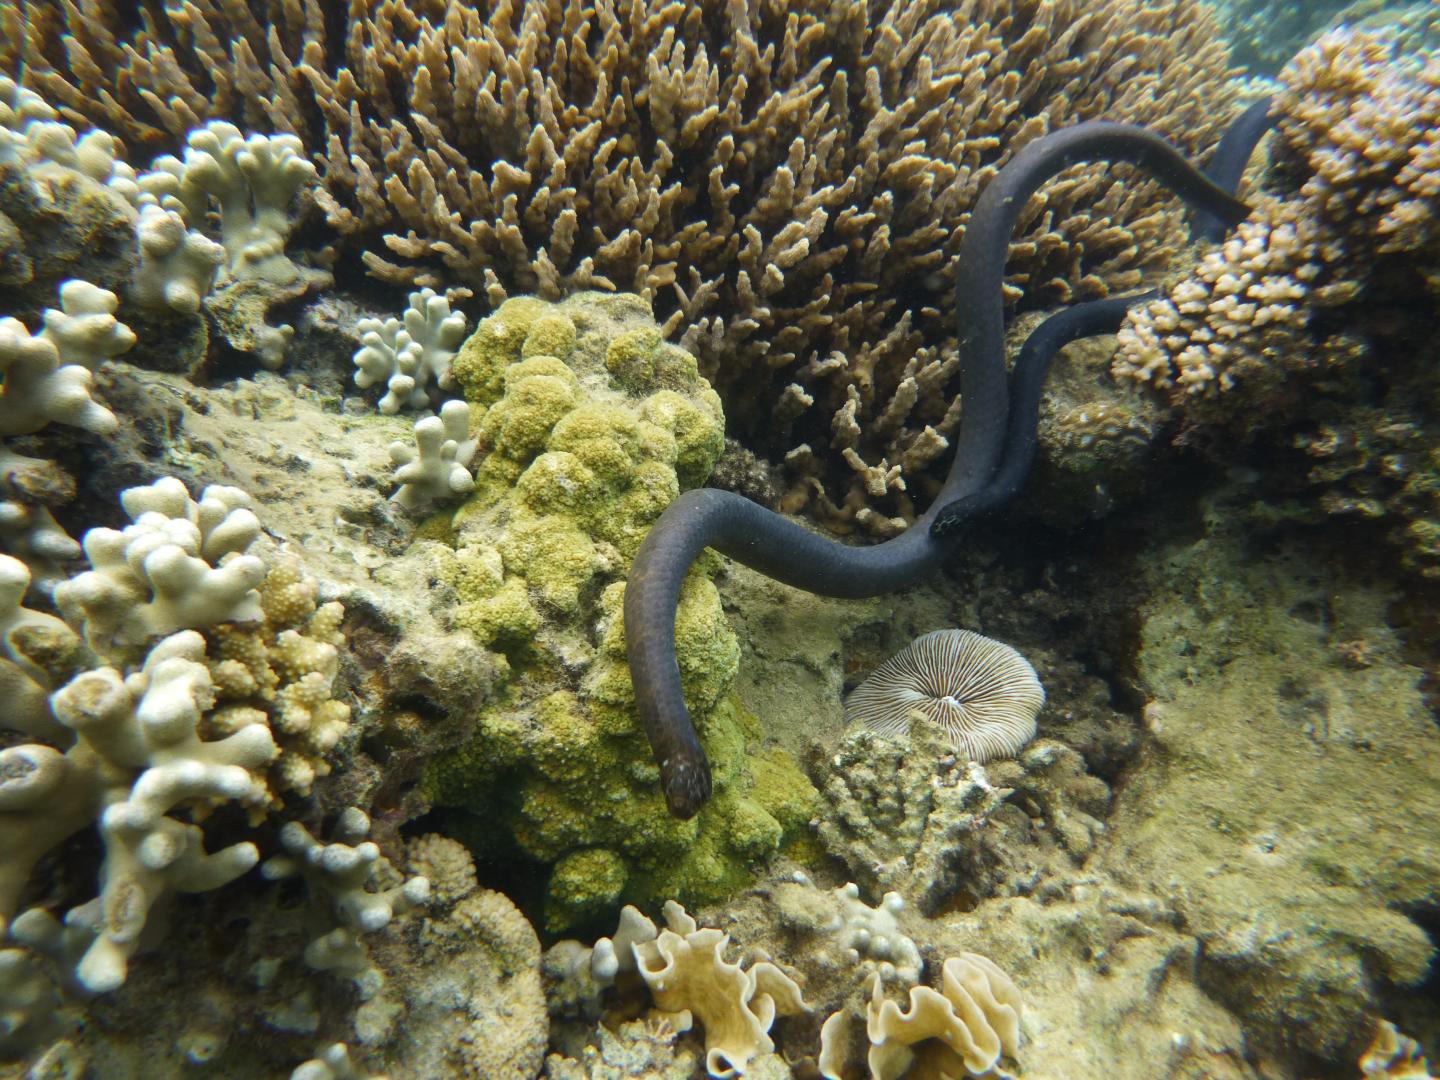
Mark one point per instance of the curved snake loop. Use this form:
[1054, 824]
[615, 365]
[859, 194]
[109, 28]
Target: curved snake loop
[994, 445]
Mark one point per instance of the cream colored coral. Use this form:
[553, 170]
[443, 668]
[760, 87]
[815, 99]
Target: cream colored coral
[178, 264]
[138, 756]
[363, 891]
[251, 181]
[34, 645]
[333, 1063]
[446, 863]
[687, 973]
[31, 134]
[48, 374]
[436, 469]
[182, 565]
[30, 532]
[281, 672]
[1356, 135]
[963, 1029]
[410, 355]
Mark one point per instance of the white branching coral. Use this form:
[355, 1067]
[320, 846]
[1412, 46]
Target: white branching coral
[250, 181]
[437, 467]
[48, 375]
[409, 353]
[983, 694]
[137, 756]
[31, 533]
[181, 565]
[344, 870]
[177, 265]
[35, 645]
[32, 134]
[29, 1000]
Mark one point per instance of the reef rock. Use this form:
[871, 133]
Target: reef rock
[1288, 797]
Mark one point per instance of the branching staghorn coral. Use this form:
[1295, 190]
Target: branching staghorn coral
[788, 184]
[137, 756]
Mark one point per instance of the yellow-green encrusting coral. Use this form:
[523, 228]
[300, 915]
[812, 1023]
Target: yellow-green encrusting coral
[589, 424]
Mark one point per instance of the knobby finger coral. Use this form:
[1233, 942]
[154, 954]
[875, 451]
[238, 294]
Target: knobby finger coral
[1306, 321]
[182, 564]
[137, 756]
[48, 375]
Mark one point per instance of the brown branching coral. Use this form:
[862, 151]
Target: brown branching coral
[788, 182]
[280, 673]
[1358, 156]
[1316, 313]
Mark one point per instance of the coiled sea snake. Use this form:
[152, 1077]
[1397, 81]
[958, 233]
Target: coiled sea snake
[994, 446]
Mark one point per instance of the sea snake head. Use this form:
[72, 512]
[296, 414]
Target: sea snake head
[953, 516]
[686, 783]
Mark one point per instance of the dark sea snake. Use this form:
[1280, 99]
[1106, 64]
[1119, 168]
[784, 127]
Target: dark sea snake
[994, 445]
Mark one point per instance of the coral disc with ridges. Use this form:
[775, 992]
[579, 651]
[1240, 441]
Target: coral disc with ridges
[982, 693]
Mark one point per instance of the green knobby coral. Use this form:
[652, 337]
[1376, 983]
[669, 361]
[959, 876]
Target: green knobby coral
[589, 424]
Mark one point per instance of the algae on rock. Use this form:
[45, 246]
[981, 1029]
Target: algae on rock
[1289, 795]
[588, 426]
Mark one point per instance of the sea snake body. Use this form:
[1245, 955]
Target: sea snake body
[788, 552]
